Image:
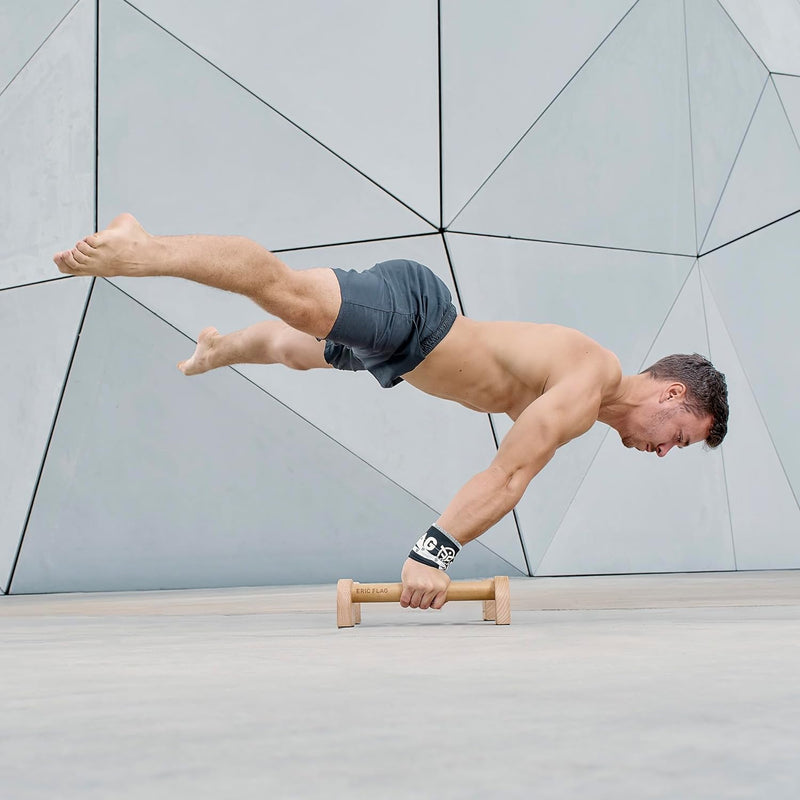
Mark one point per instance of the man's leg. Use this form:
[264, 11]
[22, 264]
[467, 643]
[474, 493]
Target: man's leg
[308, 300]
[269, 342]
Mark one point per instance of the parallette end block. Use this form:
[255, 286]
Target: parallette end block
[344, 604]
[502, 600]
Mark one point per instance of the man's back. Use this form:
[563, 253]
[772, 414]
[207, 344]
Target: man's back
[503, 367]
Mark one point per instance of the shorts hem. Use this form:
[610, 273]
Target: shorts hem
[429, 342]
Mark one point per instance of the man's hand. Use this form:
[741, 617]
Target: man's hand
[423, 586]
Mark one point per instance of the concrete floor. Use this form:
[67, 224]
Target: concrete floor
[663, 686]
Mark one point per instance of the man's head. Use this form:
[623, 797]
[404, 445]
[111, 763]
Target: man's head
[689, 403]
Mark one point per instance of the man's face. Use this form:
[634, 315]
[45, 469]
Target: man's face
[658, 427]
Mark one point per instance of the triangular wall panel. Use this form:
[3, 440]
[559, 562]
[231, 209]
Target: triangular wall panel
[755, 283]
[491, 95]
[279, 186]
[616, 297]
[615, 523]
[789, 92]
[25, 27]
[429, 446]
[725, 81]
[772, 27]
[609, 163]
[229, 487]
[359, 76]
[765, 183]
[47, 152]
[765, 517]
[39, 325]
[536, 282]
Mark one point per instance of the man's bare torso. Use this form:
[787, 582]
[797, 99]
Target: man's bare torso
[503, 367]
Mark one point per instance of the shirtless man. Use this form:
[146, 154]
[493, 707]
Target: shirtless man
[397, 321]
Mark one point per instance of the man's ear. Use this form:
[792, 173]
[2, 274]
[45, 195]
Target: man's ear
[673, 391]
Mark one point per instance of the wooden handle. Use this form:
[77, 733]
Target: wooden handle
[493, 591]
[390, 592]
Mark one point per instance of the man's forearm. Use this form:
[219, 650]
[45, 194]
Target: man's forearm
[483, 501]
[479, 504]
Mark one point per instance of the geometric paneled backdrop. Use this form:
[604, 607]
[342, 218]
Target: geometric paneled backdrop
[631, 169]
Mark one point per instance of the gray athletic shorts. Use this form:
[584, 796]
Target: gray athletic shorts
[392, 316]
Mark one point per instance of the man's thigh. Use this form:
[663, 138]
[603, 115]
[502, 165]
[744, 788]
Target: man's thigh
[310, 301]
[300, 350]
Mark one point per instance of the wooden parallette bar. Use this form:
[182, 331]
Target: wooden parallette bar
[494, 592]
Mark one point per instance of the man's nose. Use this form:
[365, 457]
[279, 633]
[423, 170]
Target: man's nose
[663, 449]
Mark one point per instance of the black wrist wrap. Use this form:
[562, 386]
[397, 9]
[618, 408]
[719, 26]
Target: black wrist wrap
[435, 549]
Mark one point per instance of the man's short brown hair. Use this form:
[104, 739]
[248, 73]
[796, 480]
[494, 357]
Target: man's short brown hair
[706, 389]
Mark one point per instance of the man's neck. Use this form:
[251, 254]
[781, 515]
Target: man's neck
[632, 391]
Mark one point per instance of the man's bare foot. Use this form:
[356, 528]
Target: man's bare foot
[123, 248]
[202, 360]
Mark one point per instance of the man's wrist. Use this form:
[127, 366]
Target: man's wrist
[436, 548]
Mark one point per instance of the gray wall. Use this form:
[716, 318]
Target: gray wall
[631, 169]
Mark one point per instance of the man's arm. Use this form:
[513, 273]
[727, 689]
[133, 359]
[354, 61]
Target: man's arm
[564, 412]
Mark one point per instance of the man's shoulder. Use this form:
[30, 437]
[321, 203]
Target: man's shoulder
[584, 358]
